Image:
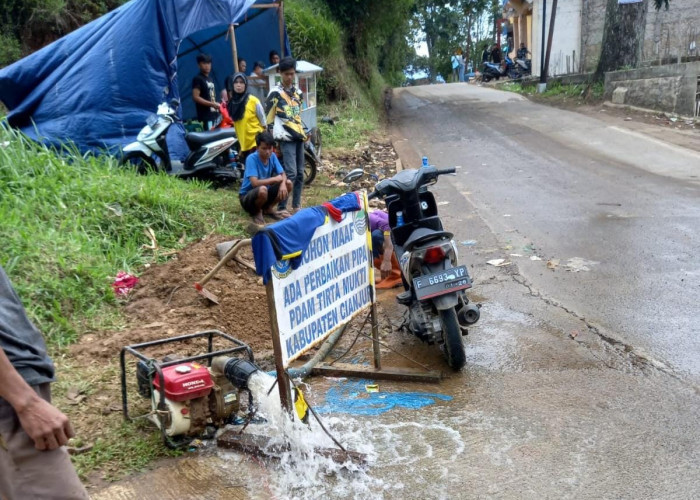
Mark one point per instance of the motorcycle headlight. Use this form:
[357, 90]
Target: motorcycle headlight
[152, 120]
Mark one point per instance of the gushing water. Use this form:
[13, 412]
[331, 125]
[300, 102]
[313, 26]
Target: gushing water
[301, 472]
[396, 451]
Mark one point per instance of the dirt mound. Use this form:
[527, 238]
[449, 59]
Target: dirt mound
[165, 304]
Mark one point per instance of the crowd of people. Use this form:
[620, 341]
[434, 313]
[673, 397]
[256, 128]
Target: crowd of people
[260, 128]
[268, 184]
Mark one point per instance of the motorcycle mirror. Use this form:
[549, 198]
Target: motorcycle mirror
[354, 175]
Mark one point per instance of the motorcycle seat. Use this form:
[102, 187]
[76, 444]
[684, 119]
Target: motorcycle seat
[424, 235]
[196, 139]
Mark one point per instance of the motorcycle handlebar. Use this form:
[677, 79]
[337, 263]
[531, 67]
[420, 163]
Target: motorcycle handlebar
[450, 170]
[373, 195]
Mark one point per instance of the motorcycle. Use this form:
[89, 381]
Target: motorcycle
[525, 66]
[512, 69]
[434, 283]
[491, 71]
[212, 156]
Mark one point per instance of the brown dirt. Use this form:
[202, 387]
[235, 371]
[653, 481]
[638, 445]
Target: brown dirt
[165, 304]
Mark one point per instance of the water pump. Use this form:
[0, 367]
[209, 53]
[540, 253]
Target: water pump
[191, 396]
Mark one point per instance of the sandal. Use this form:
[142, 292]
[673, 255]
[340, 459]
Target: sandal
[283, 214]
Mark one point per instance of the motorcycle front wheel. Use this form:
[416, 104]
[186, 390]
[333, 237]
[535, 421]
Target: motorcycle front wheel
[452, 335]
[138, 161]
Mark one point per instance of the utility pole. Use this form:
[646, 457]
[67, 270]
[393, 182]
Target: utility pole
[549, 42]
[543, 78]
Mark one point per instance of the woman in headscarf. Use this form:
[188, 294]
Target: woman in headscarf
[247, 114]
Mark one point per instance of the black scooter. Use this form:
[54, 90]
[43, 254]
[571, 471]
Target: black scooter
[434, 282]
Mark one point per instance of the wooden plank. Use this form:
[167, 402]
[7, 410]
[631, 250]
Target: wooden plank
[363, 371]
[258, 445]
[282, 377]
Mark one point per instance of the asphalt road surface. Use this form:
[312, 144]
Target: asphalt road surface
[624, 205]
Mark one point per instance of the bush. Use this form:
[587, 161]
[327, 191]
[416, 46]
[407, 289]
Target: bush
[10, 50]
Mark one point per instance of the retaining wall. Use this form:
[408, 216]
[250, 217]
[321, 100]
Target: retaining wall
[671, 88]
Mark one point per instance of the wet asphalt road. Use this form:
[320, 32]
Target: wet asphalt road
[570, 186]
[578, 385]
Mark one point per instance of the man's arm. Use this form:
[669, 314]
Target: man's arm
[48, 427]
[388, 252]
[197, 98]
[256, 181]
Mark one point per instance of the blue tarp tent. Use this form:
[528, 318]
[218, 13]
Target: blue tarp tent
[257, 33]
[96, 86]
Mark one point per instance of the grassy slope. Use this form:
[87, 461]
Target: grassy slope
[68, 224]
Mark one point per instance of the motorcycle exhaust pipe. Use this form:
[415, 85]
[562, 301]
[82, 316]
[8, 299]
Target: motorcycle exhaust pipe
[237, 370]
[468, 315]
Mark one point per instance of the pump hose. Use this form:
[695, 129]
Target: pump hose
[323, 351]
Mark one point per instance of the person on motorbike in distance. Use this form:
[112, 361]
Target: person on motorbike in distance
[247, 114]
[522, 51]
[264, 183]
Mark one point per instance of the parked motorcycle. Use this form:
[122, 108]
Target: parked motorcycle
[512, 69]
[491, 71]
[525, 66]
[209, 151]
[434, 282]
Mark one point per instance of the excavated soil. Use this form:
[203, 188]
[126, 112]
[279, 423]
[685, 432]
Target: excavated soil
[165, 304]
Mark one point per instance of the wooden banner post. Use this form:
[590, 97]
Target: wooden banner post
[282, 377]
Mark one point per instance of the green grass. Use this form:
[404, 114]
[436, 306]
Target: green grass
[70, 222]
[558, 90]
[354, 121]
[130, 447]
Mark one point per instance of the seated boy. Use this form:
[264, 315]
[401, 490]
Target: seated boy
[264, 184]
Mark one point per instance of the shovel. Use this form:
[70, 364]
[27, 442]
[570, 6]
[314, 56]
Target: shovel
[199, 286]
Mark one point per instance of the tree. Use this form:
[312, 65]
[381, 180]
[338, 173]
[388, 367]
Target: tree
[445, 26]
[623, 35]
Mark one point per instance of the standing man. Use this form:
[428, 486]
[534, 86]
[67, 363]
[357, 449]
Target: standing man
[204, 93]
[33, 462]
[283, 108]
[264, 183]
[486, 54]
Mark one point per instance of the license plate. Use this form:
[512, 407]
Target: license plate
[450, 280]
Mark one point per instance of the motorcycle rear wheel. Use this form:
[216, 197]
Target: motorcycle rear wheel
[310, 168]
[452, 335]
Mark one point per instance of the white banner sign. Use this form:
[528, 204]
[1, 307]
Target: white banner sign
[333, 284]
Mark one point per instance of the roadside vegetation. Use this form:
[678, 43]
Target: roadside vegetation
[565, 93]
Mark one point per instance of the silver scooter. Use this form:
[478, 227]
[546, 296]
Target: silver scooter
[213, 155]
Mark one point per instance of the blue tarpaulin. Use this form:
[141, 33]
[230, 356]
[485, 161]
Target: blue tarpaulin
[96, 86]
